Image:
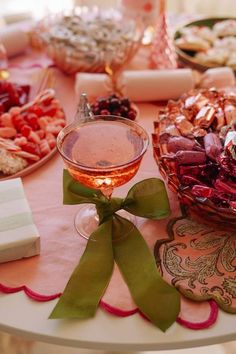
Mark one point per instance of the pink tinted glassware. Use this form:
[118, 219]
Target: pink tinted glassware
[102, 152]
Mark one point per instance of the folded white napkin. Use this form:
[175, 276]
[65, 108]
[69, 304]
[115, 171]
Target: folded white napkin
[19, 237]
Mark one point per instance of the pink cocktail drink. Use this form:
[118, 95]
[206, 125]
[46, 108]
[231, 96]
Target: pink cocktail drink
[103, 153]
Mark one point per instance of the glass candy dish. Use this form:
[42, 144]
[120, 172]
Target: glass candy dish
[89, 40]
[194, 144]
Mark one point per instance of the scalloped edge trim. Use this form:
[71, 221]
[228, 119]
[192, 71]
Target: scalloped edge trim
[30, 293]
[214, 309]
[116, 311]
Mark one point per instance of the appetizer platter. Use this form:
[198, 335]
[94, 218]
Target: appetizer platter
[207, 43]
[28, 129]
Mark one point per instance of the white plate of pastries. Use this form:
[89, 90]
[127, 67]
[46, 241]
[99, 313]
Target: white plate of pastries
[207, 43]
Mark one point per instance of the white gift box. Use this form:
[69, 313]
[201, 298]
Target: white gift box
[19, 237]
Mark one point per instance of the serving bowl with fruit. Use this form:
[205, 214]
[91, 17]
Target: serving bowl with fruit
[194, 144]
[115, 105]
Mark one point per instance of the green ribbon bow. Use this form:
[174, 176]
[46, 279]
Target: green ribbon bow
[117, 239]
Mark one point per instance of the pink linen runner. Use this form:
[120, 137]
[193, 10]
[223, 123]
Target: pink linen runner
[44, 277]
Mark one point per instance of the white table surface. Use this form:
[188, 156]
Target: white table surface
[24, 317]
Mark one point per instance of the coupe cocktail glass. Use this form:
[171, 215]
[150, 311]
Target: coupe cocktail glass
[102, 152]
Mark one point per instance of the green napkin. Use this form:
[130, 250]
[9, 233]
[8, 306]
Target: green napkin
[118, 239]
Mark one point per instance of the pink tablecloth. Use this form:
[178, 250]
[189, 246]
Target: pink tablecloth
[61, 247]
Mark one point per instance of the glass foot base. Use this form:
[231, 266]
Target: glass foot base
[86, 220]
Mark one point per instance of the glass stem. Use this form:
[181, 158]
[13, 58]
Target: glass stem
[107, 192]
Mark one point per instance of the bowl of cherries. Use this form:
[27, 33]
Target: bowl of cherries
[115, 105]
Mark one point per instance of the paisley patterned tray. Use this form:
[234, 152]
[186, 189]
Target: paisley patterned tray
[200, 260]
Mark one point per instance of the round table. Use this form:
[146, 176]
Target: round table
[22, 316]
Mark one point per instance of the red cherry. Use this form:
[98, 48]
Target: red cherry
[132, 114]
[18, 122]
[125, 102]
[32, 148]
[32, 120]
[96, 111]
[26, 130]
[124, 111]
[103, 103]
[105, 112]
[117, 112]
[50, 111]
[36, 110]
[114, 103]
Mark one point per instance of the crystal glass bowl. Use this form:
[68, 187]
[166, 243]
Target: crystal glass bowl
[89, 40]
[194, 144]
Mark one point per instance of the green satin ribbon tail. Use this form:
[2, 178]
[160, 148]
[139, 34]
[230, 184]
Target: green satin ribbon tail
[90, 278]
[155, 298]
[118, 239]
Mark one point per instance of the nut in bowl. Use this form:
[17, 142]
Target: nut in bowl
[194, 145]
[88, 40]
